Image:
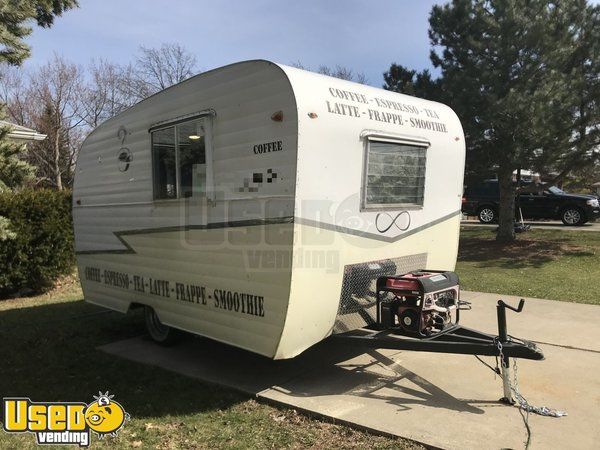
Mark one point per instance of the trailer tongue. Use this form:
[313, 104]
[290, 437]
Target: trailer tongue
[420, 311]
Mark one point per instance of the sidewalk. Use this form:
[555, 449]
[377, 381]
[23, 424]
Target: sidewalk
[446, 401]
[549, 225]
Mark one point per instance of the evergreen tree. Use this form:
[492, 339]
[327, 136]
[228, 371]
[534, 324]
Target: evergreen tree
[411, 82]
[14, 28]
[14, 18]
[582, 151]
[523, 77]
[14, 172]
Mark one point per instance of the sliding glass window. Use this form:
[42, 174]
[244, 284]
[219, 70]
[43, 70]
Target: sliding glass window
[164, 162]
[179, 160]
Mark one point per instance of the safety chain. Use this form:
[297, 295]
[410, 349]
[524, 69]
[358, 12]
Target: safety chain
[523, 404]
[522, 401]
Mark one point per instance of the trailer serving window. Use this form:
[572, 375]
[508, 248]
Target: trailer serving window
[179, 160]
[394, 174]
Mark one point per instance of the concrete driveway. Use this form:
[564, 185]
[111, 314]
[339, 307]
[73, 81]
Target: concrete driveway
[445, 401]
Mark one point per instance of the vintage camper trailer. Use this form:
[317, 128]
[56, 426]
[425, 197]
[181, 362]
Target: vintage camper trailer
[256, 204]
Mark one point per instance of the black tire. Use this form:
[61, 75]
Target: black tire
[572, 216]
[160, 333]
[487, 214]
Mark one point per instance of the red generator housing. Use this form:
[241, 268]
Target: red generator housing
[418, 304]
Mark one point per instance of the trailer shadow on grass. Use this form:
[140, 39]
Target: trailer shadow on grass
[49, 353]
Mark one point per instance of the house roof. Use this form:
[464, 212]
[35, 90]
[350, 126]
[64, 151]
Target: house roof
[20, 133]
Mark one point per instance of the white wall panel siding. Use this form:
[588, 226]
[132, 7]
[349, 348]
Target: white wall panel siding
[244, 96]
[120, 229]
[331, 156]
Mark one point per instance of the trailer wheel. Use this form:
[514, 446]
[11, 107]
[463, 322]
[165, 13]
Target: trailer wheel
[486, 214]
[159, 332]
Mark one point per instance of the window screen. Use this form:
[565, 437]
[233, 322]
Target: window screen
[179, 160]
[395, 174]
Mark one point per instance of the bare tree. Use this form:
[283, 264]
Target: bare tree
[113, 88]
[156, 69]
[341, 72]
[15, 95]
[61, 101]
[57, 90]
[107, 92]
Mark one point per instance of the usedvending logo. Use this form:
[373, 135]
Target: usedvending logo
[59, 423]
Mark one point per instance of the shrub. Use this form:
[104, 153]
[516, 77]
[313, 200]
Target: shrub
[40, 247]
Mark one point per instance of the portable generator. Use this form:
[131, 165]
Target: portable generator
[420, 303]
[419, 311]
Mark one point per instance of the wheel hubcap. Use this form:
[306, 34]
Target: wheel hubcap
[487, 215]
[572, 216]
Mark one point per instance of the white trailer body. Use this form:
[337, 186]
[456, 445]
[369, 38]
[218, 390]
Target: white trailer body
[254, 204]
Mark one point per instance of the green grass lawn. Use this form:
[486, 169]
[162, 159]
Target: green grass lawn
[553, 264]
[48, 353]
[48, 349]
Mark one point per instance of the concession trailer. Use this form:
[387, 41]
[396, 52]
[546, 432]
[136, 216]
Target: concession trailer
[269, 207]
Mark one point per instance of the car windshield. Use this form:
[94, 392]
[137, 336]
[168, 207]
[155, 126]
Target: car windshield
[555, 190]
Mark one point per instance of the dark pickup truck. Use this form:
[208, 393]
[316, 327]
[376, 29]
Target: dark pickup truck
[537, 202]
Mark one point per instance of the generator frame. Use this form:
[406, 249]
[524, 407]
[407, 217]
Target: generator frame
[456, 339]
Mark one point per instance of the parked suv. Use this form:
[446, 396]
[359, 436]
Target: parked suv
[537, 201]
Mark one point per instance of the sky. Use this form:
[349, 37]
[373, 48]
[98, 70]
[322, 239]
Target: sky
[363, 35]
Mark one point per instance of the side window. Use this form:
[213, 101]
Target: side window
[164, 162]
[394, 175]
[179, 160]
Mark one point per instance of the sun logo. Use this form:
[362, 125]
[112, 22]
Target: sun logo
[105, 416]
